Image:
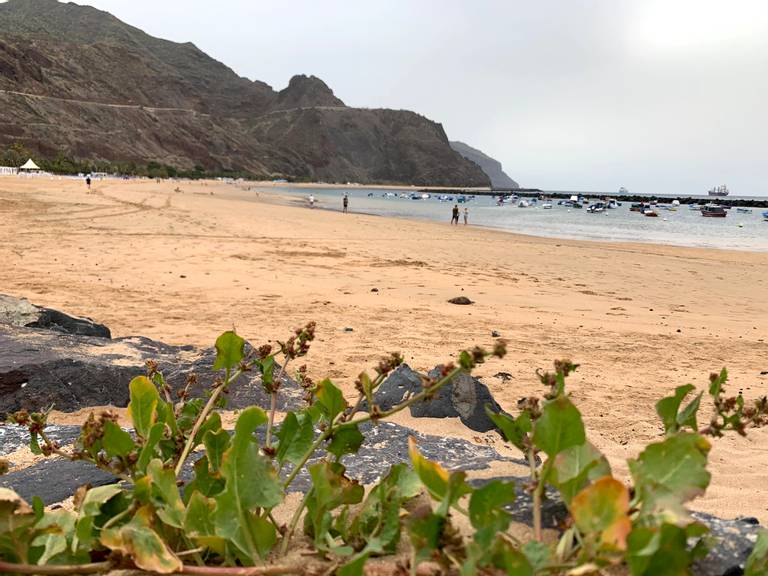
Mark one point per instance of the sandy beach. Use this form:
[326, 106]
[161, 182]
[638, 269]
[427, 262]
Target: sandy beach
[182, 262]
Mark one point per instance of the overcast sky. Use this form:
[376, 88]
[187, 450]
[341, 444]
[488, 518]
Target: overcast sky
[655, 95]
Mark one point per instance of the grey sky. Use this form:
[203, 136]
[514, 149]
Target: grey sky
[655, 95]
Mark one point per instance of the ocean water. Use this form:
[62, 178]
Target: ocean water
[683, 227]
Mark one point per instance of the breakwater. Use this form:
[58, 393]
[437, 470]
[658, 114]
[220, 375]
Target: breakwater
[537, 193]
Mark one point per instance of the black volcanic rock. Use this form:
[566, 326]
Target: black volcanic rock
[78, 81]
[490, 166]
[465, 397]
[20, 312]
[40, 368]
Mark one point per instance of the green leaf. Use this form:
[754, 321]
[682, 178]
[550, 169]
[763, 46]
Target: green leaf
[199, 516]
[53, 530]
[486, 510]
[205, 482]
[139, 541]
[216, 443]
[559, 427]
[575, 467]
[658, 551]
[439, 483]
[511, 560]
[117, 442]
[143, 405]
[669, 473]
[165, 494]
[346, 440]
[515, 430]
[230, 350]
[757, 563]
[424, 531]
[537, 554]
[251, 483]
[148, 451]
[602, 510]
[90, 508]
[668, 409]
[330, 399]
[211, 424]
[716, 386]
[296, 434]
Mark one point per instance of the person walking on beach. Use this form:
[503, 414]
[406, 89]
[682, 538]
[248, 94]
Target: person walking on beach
[466, 215]
[311, 201]
[88, 182]
[345, 203]
[455, 217]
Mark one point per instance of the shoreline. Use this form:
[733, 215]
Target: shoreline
[300, 202]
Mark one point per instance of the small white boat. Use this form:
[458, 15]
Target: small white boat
[744, 210]
[523, 203]
[547, 205]
[426, 196]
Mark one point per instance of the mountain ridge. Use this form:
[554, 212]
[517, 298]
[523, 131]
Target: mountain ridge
[491, 166]
[77, 81]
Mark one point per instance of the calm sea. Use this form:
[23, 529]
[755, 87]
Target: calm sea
[683, 227]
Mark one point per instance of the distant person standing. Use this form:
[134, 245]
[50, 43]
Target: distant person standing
[311, 201]
[466, 215]
[345, 203]
[88, 182]
[455, 217]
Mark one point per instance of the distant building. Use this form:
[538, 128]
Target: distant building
[7, 170]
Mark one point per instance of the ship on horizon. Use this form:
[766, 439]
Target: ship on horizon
[719, 191]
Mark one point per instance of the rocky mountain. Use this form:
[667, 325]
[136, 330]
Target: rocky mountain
[77, 81]
[490, 166]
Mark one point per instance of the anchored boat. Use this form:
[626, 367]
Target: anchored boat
[713, 211]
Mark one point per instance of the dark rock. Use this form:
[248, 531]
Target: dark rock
[20, 312]
[748, 520]
[735, 541]
[374, 289]
[503, 376]
[13, 437]
[464, 397]
[495, 334]
[348, 329]
[54, 480]
[40, 368]
[461, 301]
[400, 384]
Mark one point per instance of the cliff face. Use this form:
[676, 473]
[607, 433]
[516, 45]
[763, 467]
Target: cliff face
[490, 166]
[78, 81]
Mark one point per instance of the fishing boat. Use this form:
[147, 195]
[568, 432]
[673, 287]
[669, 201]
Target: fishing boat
[461, 199]
[713, 211]
[650, 213]
[694, 207]
[744, 210]
[546, 205]
[719, 191]
[523, 203]
[765, 215]
[637, 207]
[596, 208]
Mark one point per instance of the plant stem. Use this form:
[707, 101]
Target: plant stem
[536, 496]
[294, 521]
[240, 571]
[273, 403]
[201, 418]
[48, 569]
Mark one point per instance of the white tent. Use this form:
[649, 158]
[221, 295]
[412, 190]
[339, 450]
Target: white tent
[29, 165]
